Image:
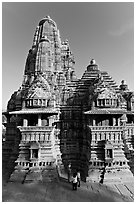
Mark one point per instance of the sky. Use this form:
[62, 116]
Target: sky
[103, 31]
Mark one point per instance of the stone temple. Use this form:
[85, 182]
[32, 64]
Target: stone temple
[54, 118]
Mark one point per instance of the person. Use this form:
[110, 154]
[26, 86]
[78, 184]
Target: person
[69, 172]
[102, 175]
[102, 178]
[78, 178]
[74, 181]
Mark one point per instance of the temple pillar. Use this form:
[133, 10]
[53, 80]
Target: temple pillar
[51, 120]
[39, 153]
[30, 153]
[39, 120]
[25, 122]
[103, 122]
[23, 104]
[45, 103]
[30, 102]
[94, 122]
[93, 136]
[114, 121]
[118, 121]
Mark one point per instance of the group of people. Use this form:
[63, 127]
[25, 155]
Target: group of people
[75, 178]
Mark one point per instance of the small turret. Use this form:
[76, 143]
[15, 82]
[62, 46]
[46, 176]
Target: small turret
[92, 65]
[92, 62]
[123, 86]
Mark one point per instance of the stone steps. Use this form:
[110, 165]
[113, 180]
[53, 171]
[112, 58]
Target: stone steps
[17, 176]
[33, 176]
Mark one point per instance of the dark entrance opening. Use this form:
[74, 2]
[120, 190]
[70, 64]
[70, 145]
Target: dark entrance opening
[109, 153]
[35, 153]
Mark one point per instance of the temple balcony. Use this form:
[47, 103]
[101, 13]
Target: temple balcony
[129, 130]
[37, 133]
[130, 124]
[128, 138]
[104, 133]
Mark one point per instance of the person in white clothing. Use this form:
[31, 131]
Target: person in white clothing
[74, 181]
[78, 178]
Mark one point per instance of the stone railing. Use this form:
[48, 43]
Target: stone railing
[106, 128]
[129, 129]
[130, 125]
[37, 133]
[128, 136]
[35, 128]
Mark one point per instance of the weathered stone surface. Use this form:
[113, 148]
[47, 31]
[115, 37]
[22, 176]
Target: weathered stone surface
[17, 176]
[56, 119]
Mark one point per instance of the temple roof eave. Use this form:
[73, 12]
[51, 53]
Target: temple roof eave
[105, 111]
[35, 111]
[130, 112]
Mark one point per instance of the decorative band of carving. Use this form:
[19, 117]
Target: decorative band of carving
[106, 128]
[37, 128]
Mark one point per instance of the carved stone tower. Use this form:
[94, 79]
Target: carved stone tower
[54, 119]
[33, 111]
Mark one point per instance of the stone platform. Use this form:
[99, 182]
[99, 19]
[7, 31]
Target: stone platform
[34, 175]
[61, 191]
[125, 188]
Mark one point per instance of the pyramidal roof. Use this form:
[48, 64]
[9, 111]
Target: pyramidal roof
[92, 73]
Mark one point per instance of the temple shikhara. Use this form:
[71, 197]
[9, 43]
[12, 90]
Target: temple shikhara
[55, 119]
